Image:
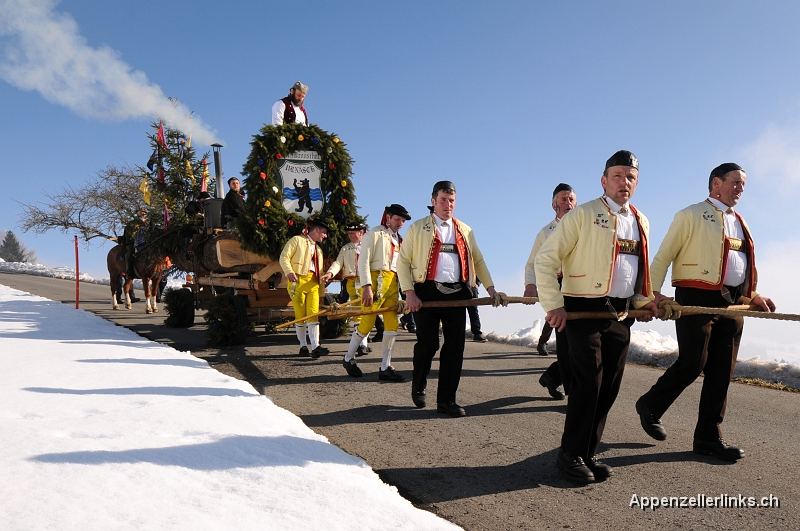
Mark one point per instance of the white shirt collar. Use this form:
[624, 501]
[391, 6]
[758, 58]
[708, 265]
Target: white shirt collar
[615, 208]
[439, 221]
[720, 205]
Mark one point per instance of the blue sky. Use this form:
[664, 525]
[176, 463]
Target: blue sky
[505, 99]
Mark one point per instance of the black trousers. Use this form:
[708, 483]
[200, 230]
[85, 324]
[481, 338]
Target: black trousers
[559, 370]
[598, 349]
[451, 357]
[474, 318]
[707, 344]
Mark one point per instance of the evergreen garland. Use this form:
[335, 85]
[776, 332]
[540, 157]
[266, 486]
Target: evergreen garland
[267, 225]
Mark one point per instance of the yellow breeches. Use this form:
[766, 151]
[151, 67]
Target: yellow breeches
[305, 296]
[354, 294]
[390, 297]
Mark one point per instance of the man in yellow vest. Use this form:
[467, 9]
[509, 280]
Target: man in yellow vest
[301, 261]
[347, 263]
[713, 264]
[564, 200]
[377, 272]
[440, 261]
[601, 248]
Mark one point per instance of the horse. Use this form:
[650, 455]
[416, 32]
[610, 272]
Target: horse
[149, 272]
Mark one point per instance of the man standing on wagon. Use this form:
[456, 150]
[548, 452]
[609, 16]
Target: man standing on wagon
[301, 261]
[290, 109]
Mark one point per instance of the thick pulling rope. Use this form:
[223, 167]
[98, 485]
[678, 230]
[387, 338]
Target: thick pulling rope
[730, 311]
[328, 311]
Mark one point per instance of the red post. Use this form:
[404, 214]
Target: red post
[77, 277]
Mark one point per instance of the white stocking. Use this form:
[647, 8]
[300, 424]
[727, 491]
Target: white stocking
[313, 334]
[301, 334]
[355, 340]
[388, 345]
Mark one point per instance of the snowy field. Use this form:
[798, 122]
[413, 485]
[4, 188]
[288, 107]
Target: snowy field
[103, 430]
[648, 347]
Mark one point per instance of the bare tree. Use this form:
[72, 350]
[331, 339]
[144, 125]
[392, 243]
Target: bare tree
[99, 208]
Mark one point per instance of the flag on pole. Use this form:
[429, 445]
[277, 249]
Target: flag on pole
[145, 189]
[161, 138]
[204, 178]
[153, 159]
[166, 216]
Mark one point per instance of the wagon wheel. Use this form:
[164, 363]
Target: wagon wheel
[242, 323]
[186, 316]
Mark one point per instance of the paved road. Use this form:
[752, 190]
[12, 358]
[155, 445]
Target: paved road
[493, 470]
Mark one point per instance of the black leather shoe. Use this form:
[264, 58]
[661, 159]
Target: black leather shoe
[541, 349]
[652, 426]
[718, 449]
[362, 350]
[390, 375]
[304, 351]
[418, 397]
[478, 338]
[572, 468]
[135, 299]
[600, 470]
[452, 409]
[552, 388]
[352, 368]
[377, 338]
[412, 329]
[319, 351]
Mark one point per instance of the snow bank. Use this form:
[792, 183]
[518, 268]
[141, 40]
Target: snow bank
[648, 347]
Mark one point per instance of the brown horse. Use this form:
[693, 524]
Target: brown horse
[149, 272]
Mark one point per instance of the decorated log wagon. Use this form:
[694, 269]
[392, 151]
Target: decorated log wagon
[293, 172]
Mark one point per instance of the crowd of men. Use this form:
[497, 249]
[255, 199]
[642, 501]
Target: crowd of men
[593, 257]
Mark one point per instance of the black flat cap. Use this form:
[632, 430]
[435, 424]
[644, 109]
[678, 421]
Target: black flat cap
[398, 210]
[562, 187]
[623, 158]
[355, 226]
[316, 222]
[443, 185]
[722, 169]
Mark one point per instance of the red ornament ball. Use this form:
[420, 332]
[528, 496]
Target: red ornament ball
[331, 166]
[204, 161]
[344, 201]
[263, 175]
[278, 156]
[261, 222]
[291, 222]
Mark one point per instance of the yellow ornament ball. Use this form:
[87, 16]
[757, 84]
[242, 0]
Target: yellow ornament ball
[300, 138]
[344, 184]
[267, 203]
[335, 140]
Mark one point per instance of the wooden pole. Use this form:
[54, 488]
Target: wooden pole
[318, 314]
[77, 277]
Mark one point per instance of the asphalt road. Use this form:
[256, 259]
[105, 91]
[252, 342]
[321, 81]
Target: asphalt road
[494, 469]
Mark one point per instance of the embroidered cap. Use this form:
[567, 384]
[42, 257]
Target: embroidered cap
[623, 158]
[398, 210]
[299, 86]
[355, 226]
[562, 187]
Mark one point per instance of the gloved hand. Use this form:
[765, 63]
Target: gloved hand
[671, 310]
[401, 306]
[334, 307]
[499, 299]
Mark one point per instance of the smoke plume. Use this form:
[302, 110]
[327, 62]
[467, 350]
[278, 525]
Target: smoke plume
[43, 50]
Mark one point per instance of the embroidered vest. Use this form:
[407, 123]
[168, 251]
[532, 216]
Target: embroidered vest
[436, 249]
[289, 115]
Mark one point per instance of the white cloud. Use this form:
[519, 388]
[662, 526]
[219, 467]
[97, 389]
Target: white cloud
[44, 51]
[775, 156]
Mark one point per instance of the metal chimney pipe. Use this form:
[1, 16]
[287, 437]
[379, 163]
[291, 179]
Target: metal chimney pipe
[218, 170]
